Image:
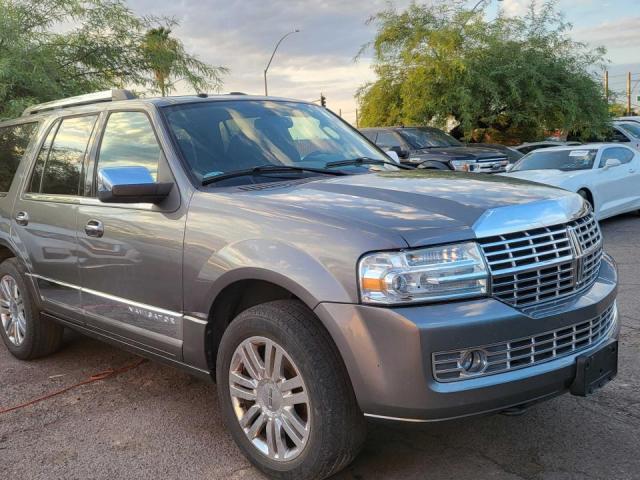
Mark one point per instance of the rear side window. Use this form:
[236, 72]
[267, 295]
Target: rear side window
[14, 141]
[59, 164]
[388, 139]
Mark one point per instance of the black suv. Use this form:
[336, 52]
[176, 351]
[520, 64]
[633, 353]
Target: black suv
[431, 148]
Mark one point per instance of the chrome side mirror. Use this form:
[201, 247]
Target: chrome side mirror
[393, 155]
[131, 184]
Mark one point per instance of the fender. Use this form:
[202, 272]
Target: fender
[273, 261]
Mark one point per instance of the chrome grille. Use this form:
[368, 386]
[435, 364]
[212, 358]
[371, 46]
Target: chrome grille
[527, 351]
[544, 264]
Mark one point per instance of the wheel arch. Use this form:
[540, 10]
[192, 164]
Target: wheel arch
[589, 195]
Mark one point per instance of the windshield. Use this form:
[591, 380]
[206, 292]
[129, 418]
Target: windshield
[226, 136]
[428, 138]
[578, 159]
[632, 128]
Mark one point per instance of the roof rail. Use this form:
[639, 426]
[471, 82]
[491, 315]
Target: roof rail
[96, 97]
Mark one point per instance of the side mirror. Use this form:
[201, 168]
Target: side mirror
[393, 155]
[509, 167]
[612, 162]
[130, 185]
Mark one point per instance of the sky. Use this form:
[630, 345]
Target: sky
[241, 34]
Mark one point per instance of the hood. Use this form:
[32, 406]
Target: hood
[423, 207]
[459, 153]
[547, 176]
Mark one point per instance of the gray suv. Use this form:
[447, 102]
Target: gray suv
[265, 244]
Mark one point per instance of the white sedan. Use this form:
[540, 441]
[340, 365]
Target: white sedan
[607, 175]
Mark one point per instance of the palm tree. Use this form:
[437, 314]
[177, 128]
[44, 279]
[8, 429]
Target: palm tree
[161, 52]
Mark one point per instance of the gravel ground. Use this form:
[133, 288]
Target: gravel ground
[155, 422]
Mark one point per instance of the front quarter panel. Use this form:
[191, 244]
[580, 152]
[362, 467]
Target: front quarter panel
[229, 238]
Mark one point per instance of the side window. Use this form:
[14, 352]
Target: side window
[618, 136]
[388, 139]
[59, 164]
[129, 141]
[623, 154]
[371, 135]
[14, 141]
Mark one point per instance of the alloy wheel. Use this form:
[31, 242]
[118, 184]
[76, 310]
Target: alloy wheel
[12, 313]
[270, 398]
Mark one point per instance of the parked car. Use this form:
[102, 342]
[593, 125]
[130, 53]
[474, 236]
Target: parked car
[511, 153]
[632, 118]
[607, 175]
[262, 243]
[431, 148]
[530, 147]
[627, 132]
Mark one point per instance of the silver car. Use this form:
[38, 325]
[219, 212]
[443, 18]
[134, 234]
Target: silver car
[264, 244]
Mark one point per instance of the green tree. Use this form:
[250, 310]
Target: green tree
[51, 49]
[169, 62]
[506, 79]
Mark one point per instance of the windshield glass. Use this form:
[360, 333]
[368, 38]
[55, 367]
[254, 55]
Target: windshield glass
[428, 138]
[218, 137]
[578, 159]
[632, 128]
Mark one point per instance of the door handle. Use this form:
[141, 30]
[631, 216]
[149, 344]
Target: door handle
[94, 228]
[22, 218]
[632, 170]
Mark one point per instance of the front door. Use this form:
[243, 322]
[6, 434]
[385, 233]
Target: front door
[45, 215]
[618, 186]
[130, 255]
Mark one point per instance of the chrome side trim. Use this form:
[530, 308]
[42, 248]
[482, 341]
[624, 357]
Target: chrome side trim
[110, 297]
[195, 320]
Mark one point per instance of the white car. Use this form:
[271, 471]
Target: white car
[607, 175]
[627, 131]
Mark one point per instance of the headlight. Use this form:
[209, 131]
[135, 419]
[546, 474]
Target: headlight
[416, 160]
[463, 165]
[428, 274]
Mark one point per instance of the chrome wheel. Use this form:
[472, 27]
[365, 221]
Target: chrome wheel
[269, 398]
[12, 310]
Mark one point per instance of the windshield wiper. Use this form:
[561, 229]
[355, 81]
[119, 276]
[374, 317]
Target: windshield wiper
[267, 169]
[365, 161]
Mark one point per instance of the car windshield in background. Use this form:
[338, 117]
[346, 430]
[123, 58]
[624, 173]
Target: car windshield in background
[221, 137]
[632, 128]
[578, 159]
[428, 138]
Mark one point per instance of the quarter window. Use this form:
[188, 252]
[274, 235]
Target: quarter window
[59, 164]
[388, 140]
[129, 141]
[14, 141]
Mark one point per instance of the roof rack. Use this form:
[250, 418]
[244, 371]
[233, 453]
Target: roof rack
[96, 97]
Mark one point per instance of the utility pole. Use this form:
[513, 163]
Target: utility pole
[357, 120]
[628, 93]
[606, 85]
[323, 100]
[340, 112]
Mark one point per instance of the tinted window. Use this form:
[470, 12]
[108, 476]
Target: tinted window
[43, 154]
[371, 135]
[428, 137]
[63, 162]
[388, 139]
[578, 159]
[632, 128]
[129, 141]
[623, 154]
[616, 136]
[14, 141]
[225, 136]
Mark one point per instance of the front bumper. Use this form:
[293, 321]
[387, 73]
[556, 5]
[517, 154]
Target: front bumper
[388, 352]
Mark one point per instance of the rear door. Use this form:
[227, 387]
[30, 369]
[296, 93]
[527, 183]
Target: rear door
[130, 255]
[45, 215]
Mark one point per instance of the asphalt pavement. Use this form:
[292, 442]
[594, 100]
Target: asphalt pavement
[154, 422]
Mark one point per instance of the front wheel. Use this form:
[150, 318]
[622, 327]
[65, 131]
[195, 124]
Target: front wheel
[285, 394]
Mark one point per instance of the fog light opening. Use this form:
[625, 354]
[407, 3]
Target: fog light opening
[473, 361]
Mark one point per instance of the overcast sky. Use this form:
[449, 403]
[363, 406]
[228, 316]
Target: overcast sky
[241, 34]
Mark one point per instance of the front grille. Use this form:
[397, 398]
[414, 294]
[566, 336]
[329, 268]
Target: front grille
[543, 264]
[491, 165]
[527, 351]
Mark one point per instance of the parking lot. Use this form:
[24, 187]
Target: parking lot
[156, 422]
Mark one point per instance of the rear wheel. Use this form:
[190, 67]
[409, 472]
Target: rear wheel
[285, 394]
[25, 334]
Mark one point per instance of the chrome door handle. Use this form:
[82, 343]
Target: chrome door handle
[94, 228]
[22, 218]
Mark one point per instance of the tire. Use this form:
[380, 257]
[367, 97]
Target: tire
[24, 332]
[334, 425]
